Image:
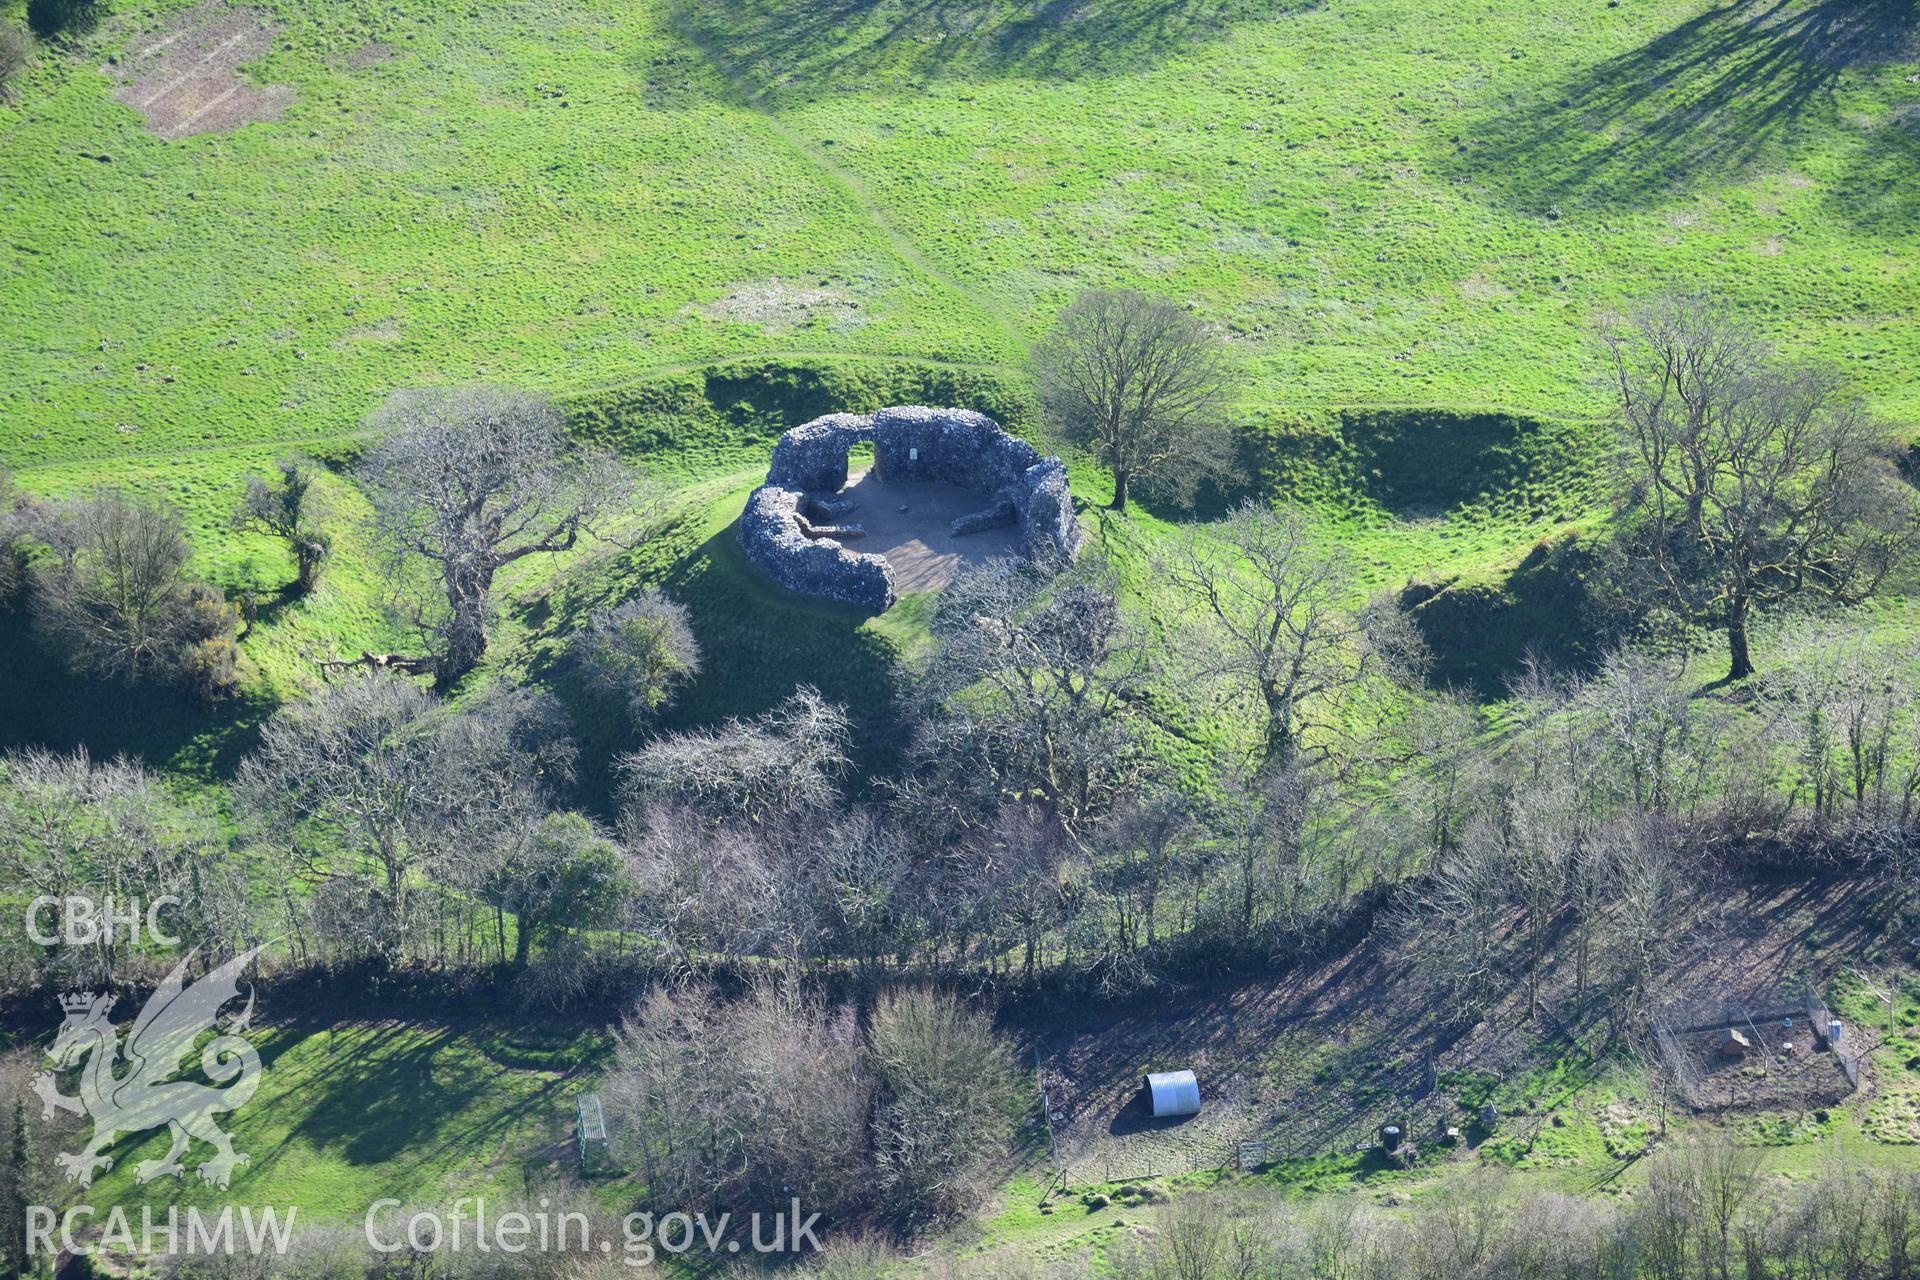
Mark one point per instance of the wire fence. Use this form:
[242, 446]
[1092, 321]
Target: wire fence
[1784, 1046]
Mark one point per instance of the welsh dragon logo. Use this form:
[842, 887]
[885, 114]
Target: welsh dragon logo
[134, 1092]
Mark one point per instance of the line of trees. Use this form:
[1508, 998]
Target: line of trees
[1039, 832]
[1705, 1213]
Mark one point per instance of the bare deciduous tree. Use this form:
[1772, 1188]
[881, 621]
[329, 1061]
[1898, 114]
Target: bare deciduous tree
[1141, 383]
[1851, 701]
[288, 510]
[471, 481]
[945, 1115]
[374, 770]
[1646, 873]
[1028, 692]
[1451, 921]
[861, 873]
[1757, 482]
[1278, 628]
[340, 778]
[710, 890]
[790, 759]
[1145, 844]
[1660, 742]
[71, 826]
[748, 1103]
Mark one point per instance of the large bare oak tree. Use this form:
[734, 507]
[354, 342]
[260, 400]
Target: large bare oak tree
[471, 480]
[1751, 481]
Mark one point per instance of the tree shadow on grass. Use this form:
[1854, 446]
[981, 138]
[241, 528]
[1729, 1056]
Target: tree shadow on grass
[366, 1100]
[1702, 104]
[420, 1105]
[780, 50]
[1880, 192]
[42, 704]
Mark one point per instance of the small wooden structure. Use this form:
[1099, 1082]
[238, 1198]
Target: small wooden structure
[1735, 1044]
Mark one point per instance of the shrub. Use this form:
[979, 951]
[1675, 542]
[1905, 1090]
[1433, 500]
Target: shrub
[947, 1086]
[113, 601]
[285, 509]
[639, 653]
[776, 1095]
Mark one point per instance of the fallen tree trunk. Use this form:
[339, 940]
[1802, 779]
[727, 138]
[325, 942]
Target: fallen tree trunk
[398, 663]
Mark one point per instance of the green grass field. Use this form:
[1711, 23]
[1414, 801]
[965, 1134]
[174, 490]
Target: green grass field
[1381, 202]
[700, 222]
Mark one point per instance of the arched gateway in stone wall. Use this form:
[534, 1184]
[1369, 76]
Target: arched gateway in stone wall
[947, 486]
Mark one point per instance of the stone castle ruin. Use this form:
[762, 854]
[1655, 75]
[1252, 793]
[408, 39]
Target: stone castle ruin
[947, 487]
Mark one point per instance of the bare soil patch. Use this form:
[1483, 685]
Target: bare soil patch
[1313, 1060]
[1784, 1069]
[781, 306]
[370, 54]
[908, 524]
[184, 77]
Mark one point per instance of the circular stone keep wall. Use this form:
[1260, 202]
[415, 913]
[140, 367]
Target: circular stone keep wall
[790, 521]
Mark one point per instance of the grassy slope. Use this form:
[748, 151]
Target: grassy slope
[1381, 205]
[355, 1112]
[1384, 203]
[438, 216]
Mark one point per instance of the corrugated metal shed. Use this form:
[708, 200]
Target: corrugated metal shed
[1173, 1093]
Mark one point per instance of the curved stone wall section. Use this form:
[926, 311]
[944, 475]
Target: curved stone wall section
[948, 446]
[770, 532]
[813, 455]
